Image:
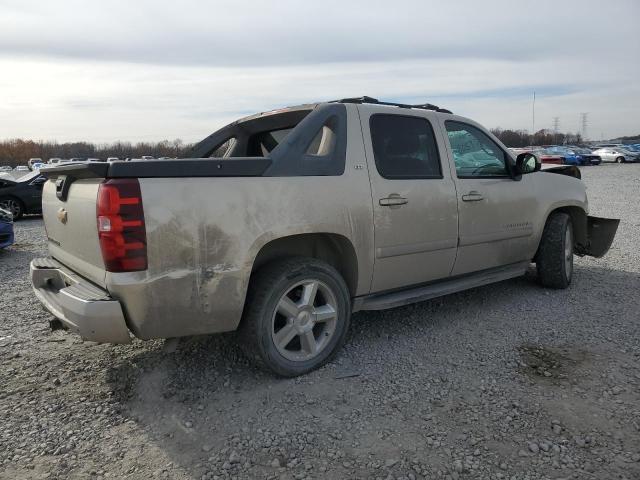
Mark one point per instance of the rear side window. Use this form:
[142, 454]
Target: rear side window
[404, 147]
[315, 147]
[325, 140]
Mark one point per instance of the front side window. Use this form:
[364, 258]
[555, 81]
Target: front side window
[404, 147]
[474, 153]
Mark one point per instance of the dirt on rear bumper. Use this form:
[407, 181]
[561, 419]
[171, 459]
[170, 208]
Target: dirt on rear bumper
[80, 306]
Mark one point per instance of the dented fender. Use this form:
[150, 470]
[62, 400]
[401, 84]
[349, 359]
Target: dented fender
[600, 235]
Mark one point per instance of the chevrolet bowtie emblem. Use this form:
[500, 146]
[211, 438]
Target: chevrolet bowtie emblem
[62, 215]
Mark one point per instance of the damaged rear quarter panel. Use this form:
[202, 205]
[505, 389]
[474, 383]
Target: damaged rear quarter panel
[204, 233]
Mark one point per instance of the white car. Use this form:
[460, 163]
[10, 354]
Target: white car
[112, 159]
[21, 168]
[616, 154]
[32, 161]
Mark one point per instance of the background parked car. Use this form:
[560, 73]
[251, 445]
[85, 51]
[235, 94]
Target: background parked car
[570, 156]
[32, 161]
[5, 168]
[633, 148]
[21, 168]
[545, 156]
[540, 153]
[608, 145]
[22, 196]
[616, 154]
[6, 228]
[588, 157]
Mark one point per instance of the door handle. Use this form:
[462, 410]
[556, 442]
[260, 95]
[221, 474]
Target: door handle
[393, 200]
[472, 196]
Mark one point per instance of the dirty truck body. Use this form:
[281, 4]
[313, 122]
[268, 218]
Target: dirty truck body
[388, 205]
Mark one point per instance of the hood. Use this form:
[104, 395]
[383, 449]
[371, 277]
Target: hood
[569, 170]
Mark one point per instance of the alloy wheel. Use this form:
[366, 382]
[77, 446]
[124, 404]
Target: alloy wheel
[304, 320]
[12, 206]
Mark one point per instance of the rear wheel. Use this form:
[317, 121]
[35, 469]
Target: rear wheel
[554, 259]
[296, 316]
[12, 205]
[620, 160]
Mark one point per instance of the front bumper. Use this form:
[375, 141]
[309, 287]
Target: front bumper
[82, 307]
[600, 235]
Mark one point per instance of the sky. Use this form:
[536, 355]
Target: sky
[142, 70]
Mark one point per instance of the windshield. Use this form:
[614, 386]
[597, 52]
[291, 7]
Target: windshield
[561, 150]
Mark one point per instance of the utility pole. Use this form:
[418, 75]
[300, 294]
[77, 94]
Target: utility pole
[533, 116]
[584, 121]
[556, 126]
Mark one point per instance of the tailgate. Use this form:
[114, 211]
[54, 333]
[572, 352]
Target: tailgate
[69, 201]
[70, 222]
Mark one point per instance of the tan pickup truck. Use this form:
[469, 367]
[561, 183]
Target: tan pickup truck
[286, 222]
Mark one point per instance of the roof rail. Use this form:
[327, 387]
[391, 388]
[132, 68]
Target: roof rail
[375, 101]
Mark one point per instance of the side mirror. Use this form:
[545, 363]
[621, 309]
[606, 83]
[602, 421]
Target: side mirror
[527, 163]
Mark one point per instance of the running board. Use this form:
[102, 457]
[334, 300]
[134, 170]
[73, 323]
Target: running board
[398, 298]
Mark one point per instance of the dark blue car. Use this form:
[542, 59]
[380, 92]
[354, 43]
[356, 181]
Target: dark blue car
[570, 157]
[6, 228]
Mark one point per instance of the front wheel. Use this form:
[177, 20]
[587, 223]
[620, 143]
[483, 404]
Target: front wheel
[554, 259]
[12, 205]
[296, 316]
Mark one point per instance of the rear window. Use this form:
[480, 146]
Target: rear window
[404, 147]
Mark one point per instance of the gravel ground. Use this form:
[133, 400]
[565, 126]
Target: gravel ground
[508, 381]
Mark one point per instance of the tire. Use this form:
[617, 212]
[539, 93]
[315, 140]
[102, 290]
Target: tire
[281, 330]
[554, 259]
[620, 160]
[15, 206]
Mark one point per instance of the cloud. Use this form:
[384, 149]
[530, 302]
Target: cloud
[121, 69]
[252, 33]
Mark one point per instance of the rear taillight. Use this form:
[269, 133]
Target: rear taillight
[120, 216]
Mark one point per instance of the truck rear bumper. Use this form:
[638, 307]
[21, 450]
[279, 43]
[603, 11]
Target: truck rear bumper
[82, 307]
